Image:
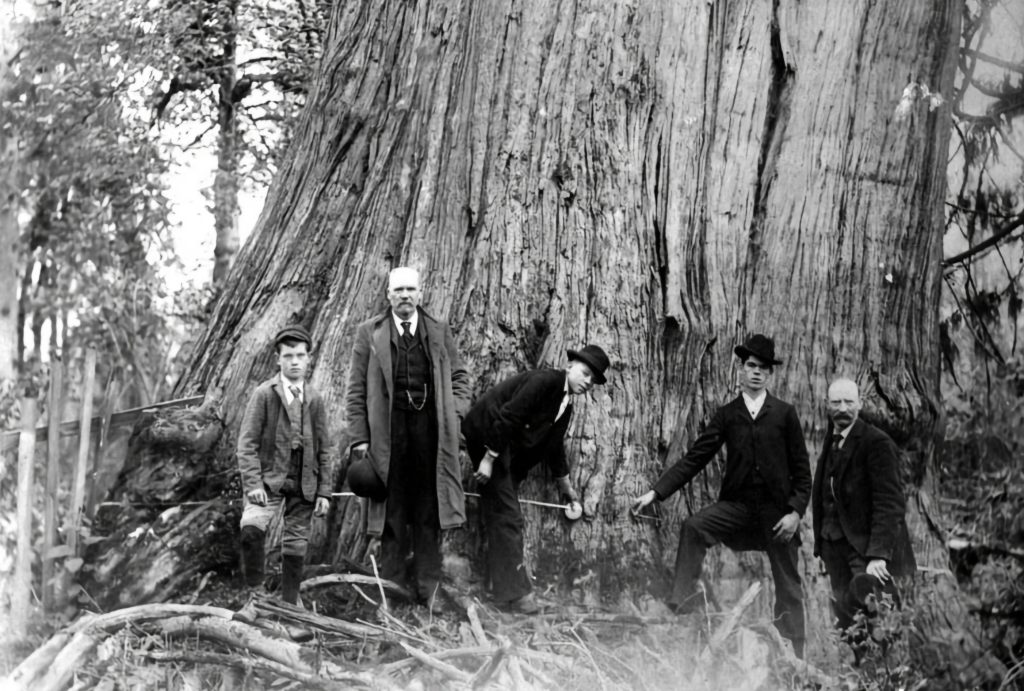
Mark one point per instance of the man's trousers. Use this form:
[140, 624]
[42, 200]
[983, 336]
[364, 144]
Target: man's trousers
[742, 526]
[503, 526]
[843, 563]
[412, 508]
[297, 516]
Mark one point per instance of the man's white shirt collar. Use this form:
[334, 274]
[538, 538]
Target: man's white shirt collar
[565, 399]
[286, 385]
[754, 404]
[414, 320]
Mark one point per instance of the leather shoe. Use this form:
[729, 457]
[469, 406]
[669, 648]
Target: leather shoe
[527, 604]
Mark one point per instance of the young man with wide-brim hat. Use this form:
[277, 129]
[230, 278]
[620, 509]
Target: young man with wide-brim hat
[515, 426]
[764, 492]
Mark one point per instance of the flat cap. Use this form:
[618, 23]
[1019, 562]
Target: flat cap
[295, 332]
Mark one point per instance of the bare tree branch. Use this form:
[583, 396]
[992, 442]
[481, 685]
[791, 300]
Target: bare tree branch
[993, 60]
[987, 243]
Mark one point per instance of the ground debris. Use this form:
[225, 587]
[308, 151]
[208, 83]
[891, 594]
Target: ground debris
[470, 645]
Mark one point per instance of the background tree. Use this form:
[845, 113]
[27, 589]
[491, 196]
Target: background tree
[91, 196]
[239, 70]
[10, 166]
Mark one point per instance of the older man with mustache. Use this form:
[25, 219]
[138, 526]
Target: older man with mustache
[407, 390]
[860, 529]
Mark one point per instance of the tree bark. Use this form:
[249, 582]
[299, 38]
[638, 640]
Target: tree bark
[225, 183]
[658, 178]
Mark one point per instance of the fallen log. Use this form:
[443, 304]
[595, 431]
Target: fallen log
[35, 665]
[453, 673]
[53, 663]
[70, 658]
[355, 579]
[266, 606]
[244, 663]
[292, 655]
[727, 627]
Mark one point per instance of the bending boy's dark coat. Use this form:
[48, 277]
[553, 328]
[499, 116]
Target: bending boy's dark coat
[772, 443]
[519, 414]
[869, 498]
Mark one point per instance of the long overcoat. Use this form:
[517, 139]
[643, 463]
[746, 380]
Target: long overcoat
[368, 402]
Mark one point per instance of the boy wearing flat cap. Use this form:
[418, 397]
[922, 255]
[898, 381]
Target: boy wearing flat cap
[513, 427]
[765, 489]
[284, 455]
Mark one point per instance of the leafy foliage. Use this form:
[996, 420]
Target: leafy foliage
[93, 206]
[258, 58]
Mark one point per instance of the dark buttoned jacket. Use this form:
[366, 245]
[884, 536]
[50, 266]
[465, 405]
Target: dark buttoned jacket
[518, 415]
[868, 497]
[771, 445]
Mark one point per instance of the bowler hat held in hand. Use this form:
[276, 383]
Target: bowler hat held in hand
[363, 479]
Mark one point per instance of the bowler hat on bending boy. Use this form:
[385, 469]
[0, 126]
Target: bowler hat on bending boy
[761, 347]
[295, 332]
[594, 358]
[364, 481]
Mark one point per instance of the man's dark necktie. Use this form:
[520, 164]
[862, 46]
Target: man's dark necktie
[405, 330]
[837, 439]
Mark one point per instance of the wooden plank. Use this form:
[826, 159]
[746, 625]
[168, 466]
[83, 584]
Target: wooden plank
[55, 411]
[82, 466]
[23, 564]
[118, 419]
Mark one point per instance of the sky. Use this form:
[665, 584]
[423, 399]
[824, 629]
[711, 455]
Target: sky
[192, 222]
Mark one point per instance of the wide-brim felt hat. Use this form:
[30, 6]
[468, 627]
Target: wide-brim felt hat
[761, 347]
[364, 481]
[594, 358]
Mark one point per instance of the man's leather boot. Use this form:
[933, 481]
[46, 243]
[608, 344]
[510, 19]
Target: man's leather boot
[252, 555]
[291, 577]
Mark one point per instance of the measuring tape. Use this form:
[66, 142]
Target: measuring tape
[573, 510]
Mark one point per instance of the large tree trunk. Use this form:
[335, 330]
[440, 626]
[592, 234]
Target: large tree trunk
[658, 178]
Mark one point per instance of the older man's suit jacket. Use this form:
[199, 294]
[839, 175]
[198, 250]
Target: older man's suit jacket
[868, 495]
[368, 404]
[518, 415]
[772, 444]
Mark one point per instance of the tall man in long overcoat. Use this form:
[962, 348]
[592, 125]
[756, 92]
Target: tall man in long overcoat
[860, 528]
[765, 489]
[407, 391]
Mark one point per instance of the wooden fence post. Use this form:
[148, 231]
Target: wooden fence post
[55, 411]
[23, 565]
[82, 466]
